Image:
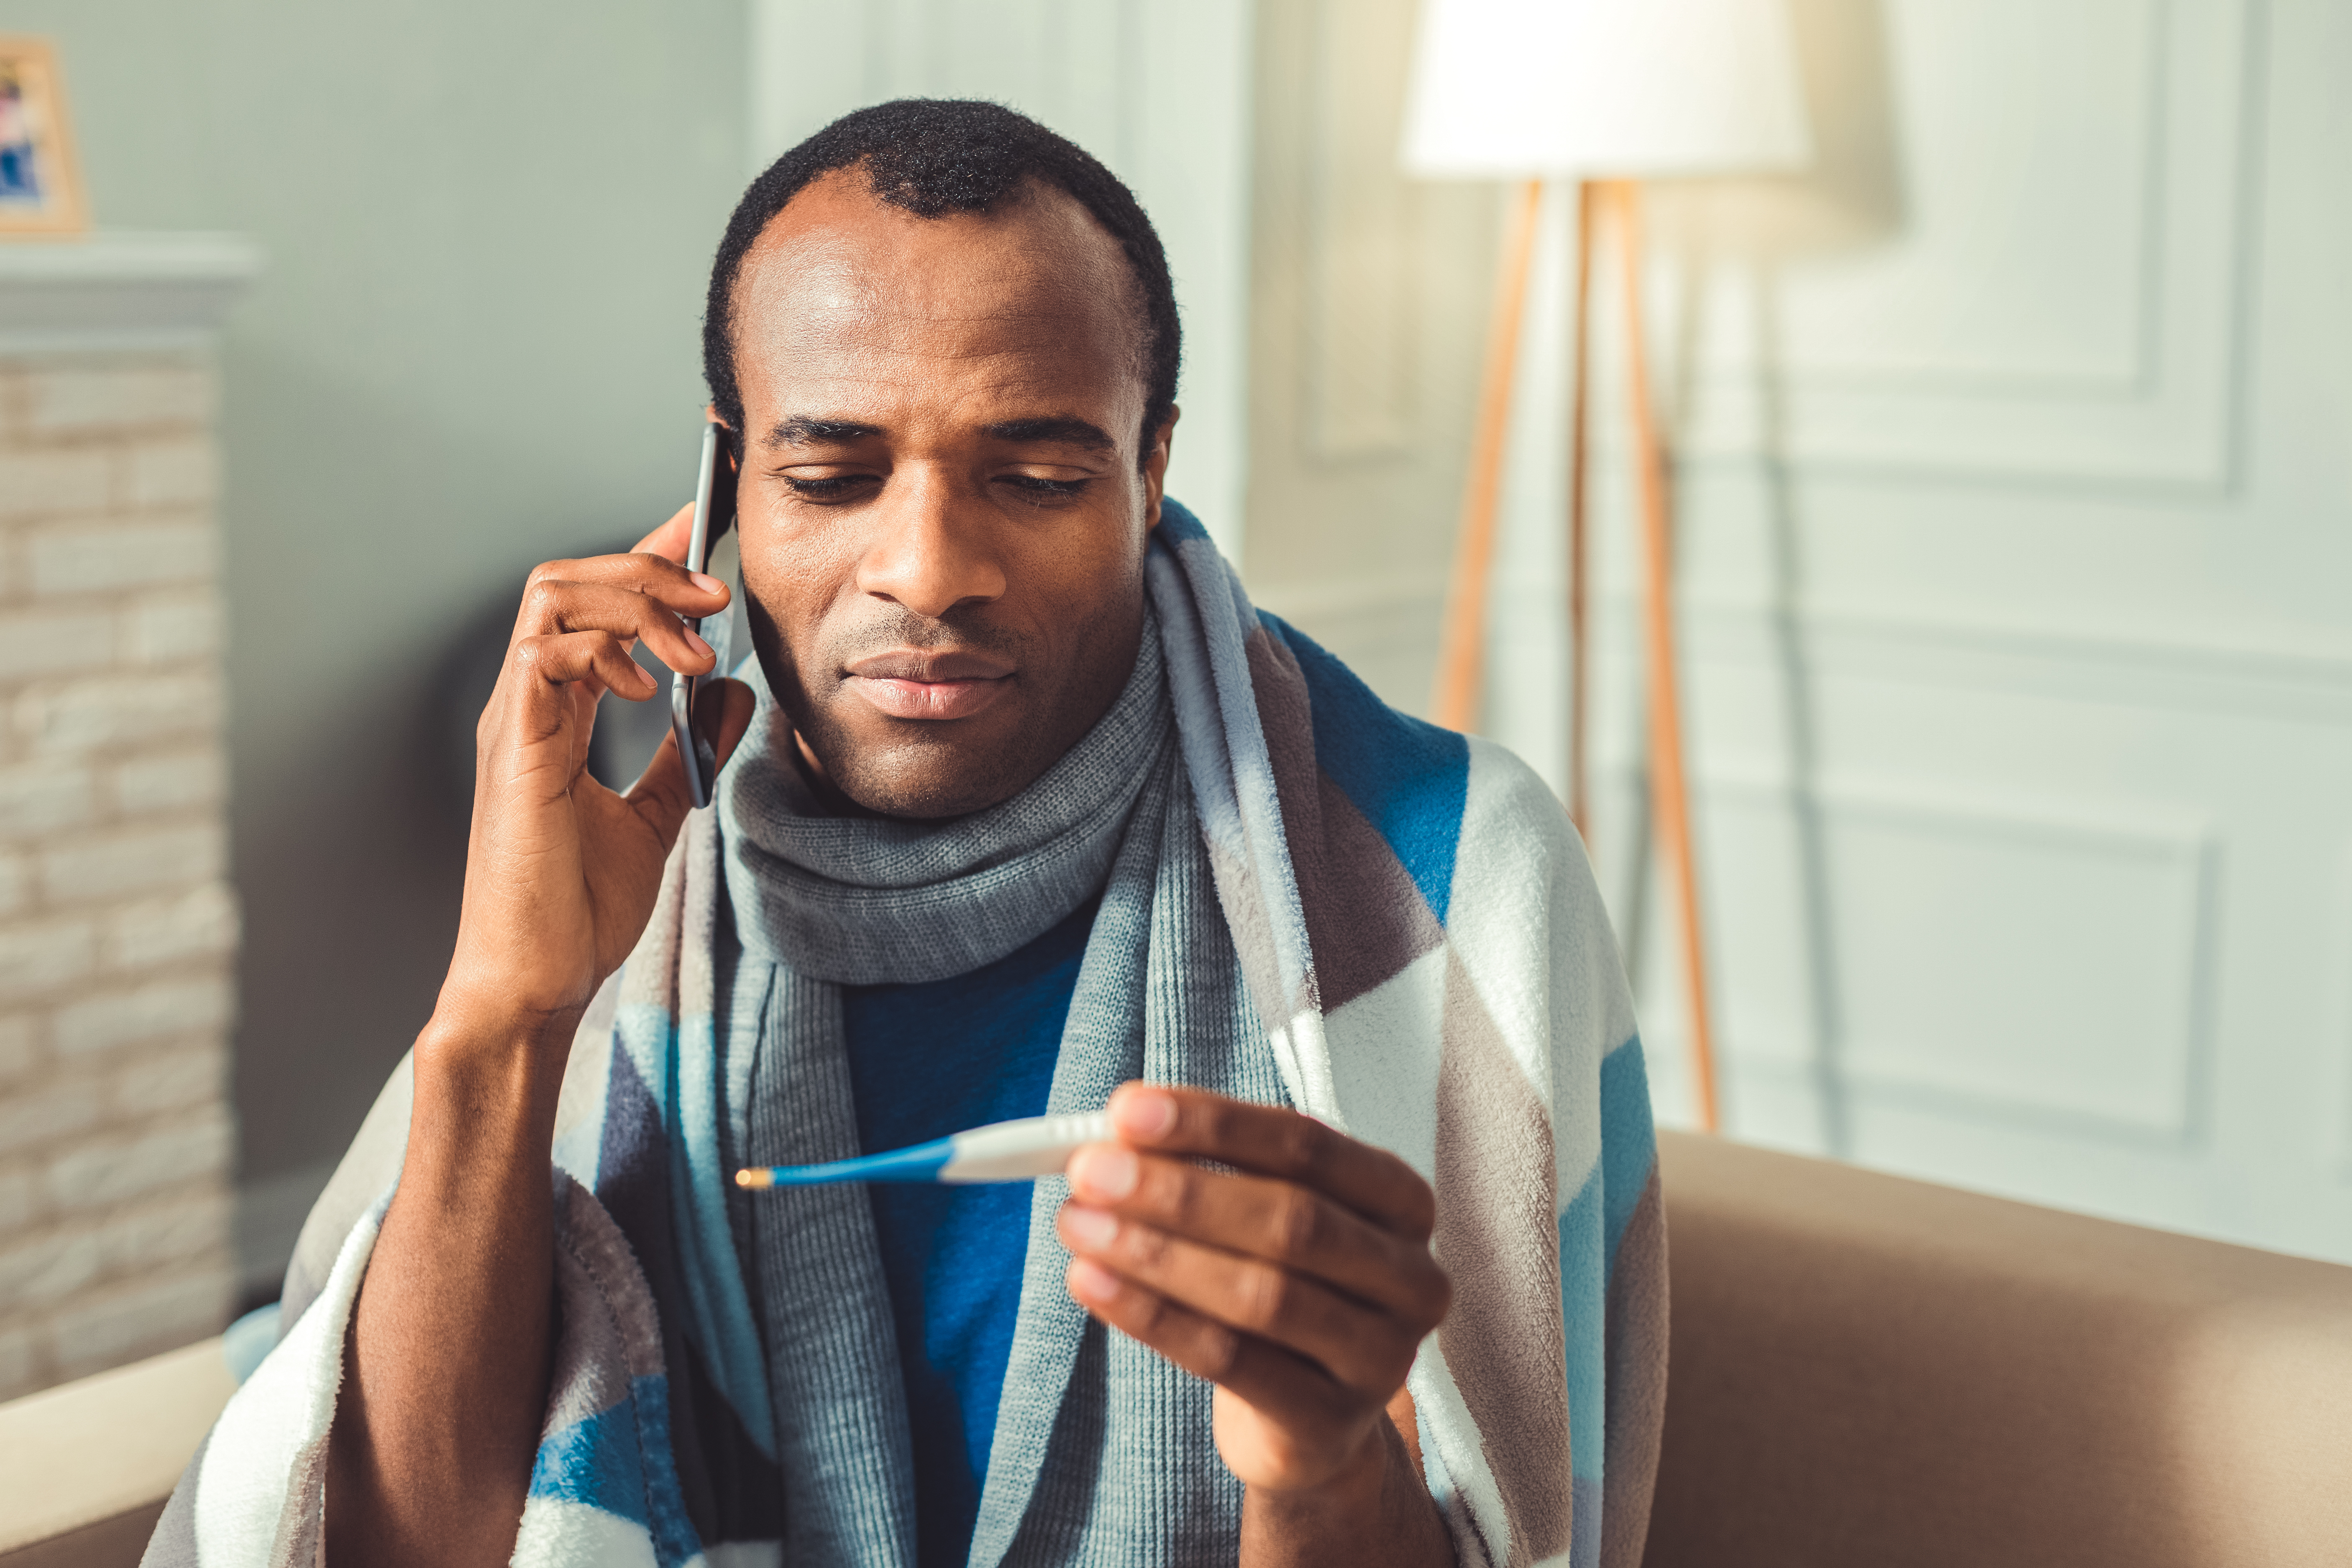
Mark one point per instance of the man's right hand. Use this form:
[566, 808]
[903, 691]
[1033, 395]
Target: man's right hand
[446, 1362]
[561, 872]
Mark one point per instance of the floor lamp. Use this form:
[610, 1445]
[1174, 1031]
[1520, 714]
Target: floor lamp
[1604, 93]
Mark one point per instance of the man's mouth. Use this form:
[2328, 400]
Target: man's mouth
[910, 683]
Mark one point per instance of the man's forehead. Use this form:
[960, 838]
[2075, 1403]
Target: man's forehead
[838, 270]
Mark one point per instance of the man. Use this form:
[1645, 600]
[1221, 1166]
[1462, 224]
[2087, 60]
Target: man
[1023, 811]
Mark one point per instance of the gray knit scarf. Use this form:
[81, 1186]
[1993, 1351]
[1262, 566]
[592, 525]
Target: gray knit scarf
[1103, 1451]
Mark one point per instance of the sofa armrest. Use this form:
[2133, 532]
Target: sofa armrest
[85, 1468]
[1870, 1370]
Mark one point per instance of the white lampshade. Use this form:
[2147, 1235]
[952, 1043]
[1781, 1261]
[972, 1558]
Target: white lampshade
[1623, 89]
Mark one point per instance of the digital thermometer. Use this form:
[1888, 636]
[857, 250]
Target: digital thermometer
[1002, 1152]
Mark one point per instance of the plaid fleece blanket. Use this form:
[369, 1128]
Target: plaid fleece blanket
[1419, 957]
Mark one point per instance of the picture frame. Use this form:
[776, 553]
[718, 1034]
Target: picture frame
[40, 181]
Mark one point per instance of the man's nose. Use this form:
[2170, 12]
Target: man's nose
[931, 550]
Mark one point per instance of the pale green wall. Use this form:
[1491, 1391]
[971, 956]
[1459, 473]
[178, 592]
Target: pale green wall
[474, 346]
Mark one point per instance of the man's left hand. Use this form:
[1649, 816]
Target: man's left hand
[1300, 1282]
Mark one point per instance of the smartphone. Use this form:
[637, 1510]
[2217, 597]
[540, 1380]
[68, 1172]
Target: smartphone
[714, 514]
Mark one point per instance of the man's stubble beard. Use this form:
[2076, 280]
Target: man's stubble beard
[923, 773]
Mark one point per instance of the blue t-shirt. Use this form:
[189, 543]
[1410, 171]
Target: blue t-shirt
[925, 1061]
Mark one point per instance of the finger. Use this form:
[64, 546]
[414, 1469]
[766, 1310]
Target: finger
[555, 605]
[1276, 1143]
[1284, 1222]
[654, 576]
[722, 712]
[656, 565]
[546, 664]
[1261, 1374]
[1361, 1346]
[669, 540]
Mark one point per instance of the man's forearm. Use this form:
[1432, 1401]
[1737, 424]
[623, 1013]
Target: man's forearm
[1379, 1515]
[446, 1362]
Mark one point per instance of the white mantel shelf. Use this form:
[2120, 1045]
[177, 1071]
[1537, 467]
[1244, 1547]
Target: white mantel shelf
[119, 292]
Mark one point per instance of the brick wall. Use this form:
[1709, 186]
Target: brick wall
[118, 929]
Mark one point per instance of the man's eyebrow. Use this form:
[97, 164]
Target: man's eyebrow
[801, 430]
[1067, 431]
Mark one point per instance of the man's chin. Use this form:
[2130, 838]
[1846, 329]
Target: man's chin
[931, 769]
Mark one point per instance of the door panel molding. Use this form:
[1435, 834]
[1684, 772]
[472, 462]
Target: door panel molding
[1930, 346]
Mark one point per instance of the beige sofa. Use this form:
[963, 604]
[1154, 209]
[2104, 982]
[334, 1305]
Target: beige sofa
[1867, 1373]
[1877, 1373]
[85, 1466]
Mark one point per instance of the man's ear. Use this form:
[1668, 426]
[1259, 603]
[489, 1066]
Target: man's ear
[1155, 469]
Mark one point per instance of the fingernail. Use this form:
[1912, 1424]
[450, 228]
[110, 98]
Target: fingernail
[708, 584]
[1103, 1171]
[698, 645]
[1090, 1228]
[1146, 1113]
[1092, 1282]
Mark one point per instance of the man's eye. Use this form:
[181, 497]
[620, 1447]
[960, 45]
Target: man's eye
[1042, 489]
[824, 490]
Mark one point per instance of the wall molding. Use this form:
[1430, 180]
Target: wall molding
[1865, 1091]
[2171, 673]
[2182, 848]
[2284, 680]
[2169, 419]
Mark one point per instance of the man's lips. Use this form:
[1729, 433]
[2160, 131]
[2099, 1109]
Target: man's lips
[912, 684]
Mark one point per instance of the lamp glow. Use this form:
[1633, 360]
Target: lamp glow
[1617, 89]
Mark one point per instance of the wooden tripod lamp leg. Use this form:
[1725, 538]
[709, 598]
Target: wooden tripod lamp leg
[1463, 652]
[1669, 794]
[1580, 422]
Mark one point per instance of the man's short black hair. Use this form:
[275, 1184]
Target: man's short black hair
[934, 156]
